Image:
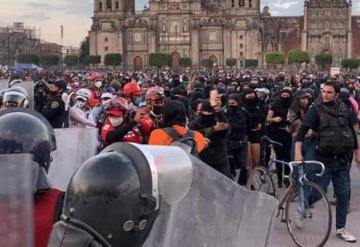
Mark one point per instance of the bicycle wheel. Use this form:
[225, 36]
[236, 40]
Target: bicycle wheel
[309, 220]
[260, 180]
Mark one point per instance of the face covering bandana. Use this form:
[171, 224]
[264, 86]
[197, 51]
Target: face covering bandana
[116, 121]
[80, 104]
[98, 84]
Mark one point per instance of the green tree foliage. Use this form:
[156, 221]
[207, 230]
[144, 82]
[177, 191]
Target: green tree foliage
[113, 59]
[84, 51]
[324, 59]
[159, 60]
[274, 58]
[185, 62]
[350, 63]
[251, 63]
[28, 58]
[297, 56]
[231, 62]
[71, 60]
[207, 63]
[94, 59]
[49, 60]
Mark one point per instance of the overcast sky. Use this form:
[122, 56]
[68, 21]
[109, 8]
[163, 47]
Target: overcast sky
[75, 15]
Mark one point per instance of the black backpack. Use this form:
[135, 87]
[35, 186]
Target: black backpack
[186, 142]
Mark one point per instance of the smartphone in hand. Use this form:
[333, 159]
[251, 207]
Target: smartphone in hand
[214, 97]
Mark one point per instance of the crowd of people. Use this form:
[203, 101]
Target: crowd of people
[223, 115]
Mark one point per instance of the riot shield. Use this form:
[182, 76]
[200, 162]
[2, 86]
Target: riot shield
[215, 212]
[29, 87]
[16, 200]
[74, 147]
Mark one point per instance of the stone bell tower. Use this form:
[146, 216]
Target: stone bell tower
[106, 34]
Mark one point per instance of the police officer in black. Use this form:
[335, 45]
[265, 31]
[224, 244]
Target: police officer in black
[54, 109]
[335, 141]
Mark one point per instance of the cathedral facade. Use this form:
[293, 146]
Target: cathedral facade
[221, 29]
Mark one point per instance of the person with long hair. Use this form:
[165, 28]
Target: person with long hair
[278, 130]
[250, 103]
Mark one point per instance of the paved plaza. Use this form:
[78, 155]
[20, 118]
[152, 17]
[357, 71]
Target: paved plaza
[280, 236]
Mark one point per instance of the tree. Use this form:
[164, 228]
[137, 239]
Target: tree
[84, 51]
[275, 58]
[94, 59]
[324, 59]
[71, 60]
[251, 63]
[297, 56]
[350, 64]
[207, 63]
[159, 60]
[112, 59]
[28, 58]
[49, 60]
[185, 62]
[231, 62]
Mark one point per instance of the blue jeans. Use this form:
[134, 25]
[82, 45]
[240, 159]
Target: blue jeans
[337, 172]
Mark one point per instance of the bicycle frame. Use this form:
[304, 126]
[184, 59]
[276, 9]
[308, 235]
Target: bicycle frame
[297, 181]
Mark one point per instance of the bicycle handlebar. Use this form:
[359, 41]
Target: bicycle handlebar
[298, 163]
[272, 142]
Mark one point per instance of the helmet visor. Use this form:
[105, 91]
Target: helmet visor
[173, 168]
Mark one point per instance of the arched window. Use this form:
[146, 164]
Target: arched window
[241, 3]
[108, 4]
[100, 6]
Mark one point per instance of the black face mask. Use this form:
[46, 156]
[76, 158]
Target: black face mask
[207, 120]
[157, 110]
[232, 108]
[167, 93]
[286, 101]
[252, 102]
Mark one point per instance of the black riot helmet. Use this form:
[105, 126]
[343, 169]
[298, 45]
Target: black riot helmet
[24, 132]
[112, 198]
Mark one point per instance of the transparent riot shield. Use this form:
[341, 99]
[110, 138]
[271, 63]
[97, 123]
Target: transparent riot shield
[16, 200]
[29, 87]
[74, 147]
[171, 168]
[174, 170]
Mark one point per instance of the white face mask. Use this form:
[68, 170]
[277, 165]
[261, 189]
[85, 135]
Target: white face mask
[80, 104]
[98, 84]
[104, 102]
[116, 121]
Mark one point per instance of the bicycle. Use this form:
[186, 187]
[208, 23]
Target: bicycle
[304, 204]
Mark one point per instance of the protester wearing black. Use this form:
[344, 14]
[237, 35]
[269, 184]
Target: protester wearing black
[237, 143]
[213, 124]
[278, 130]
[54, 109]
[254, 116]
[335, 142]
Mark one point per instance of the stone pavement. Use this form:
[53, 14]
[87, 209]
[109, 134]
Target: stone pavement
[280, 236]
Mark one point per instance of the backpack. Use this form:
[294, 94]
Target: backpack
[334, 135]
[186, 142]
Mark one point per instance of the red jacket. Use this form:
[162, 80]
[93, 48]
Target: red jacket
[44, 216]
[133, 135]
